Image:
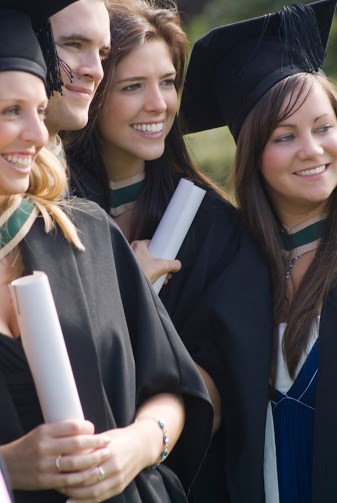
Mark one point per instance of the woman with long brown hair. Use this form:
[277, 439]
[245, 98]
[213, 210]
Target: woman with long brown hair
[130, 158]
[282, 111]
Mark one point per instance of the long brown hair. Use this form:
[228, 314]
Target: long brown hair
[133, 23]
[259, 213]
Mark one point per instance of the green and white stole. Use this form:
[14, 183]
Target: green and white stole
[124, 194]
[304, 237]
[15, 224]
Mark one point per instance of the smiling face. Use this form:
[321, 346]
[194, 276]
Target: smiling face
[23, 102]
[82, 37]
[140, 110]
[299, 162]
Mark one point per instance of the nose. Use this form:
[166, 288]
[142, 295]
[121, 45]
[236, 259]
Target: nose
[91, 66]
[35, 131]
[311, 147]
[155, 101]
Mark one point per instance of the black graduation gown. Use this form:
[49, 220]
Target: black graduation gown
[226, 323]
[221, 305]
[325, 440]
[101, 297]
[246, 391]
[225, 320]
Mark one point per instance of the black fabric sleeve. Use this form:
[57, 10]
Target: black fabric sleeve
[162, 362]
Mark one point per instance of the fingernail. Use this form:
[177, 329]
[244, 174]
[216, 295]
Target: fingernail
[106, 439]
[106, 452]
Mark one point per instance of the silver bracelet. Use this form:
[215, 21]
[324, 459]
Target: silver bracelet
[164, 453]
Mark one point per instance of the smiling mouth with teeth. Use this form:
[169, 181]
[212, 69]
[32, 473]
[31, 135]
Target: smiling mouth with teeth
[149, 128]
[18, 161]
[312, 171]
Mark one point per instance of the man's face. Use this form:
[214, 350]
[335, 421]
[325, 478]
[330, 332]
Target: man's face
[82, 37]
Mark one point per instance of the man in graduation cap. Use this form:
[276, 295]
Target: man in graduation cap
[81, 32]
[26, 41]
[262, 78]
[82, 36]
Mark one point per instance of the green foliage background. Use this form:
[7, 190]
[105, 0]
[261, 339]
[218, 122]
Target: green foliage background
[213, 151]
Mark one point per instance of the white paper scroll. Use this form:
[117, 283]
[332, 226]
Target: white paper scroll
[175, 223]
[45, 349]
[4, 496]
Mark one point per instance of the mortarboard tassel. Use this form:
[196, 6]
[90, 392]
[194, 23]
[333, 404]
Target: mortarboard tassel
[54, 63]
[167, 4]
[301, 37]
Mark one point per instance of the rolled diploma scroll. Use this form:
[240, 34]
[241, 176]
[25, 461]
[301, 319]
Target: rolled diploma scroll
[45, 349]
[4, 496]
[175, 223]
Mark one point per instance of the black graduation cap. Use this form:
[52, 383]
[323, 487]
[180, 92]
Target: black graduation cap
[233, 66]
[26, 40]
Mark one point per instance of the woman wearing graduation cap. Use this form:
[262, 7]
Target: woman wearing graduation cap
[137, 384]
[130, 158]
[267, 86]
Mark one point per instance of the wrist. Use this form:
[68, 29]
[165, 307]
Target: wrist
[157, 429]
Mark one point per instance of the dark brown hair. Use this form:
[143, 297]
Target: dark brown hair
[259, 213]
[133, 23]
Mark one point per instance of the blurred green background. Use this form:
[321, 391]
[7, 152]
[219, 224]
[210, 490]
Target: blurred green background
[213, 151]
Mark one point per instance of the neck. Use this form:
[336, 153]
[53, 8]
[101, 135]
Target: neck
[8, 200]
[292, 224]
[292, 219]
[3, 202]
[52, 142]
[120, 165]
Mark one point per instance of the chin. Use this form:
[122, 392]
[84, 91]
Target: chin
[15, 190]
[321, 198]
[148, 156]
[76, 124]
[82, 123]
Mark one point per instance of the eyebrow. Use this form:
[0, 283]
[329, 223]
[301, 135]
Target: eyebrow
[82, 38]
[22, 104]
[20, 100]
[136, 79]
[294, 125]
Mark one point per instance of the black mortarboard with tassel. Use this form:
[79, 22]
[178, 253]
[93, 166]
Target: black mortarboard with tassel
[233, 66]
[26, 39]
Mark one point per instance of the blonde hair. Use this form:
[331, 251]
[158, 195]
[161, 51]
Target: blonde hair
[48, 184]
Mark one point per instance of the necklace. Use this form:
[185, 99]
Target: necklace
[301, 239]
[291, 263]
